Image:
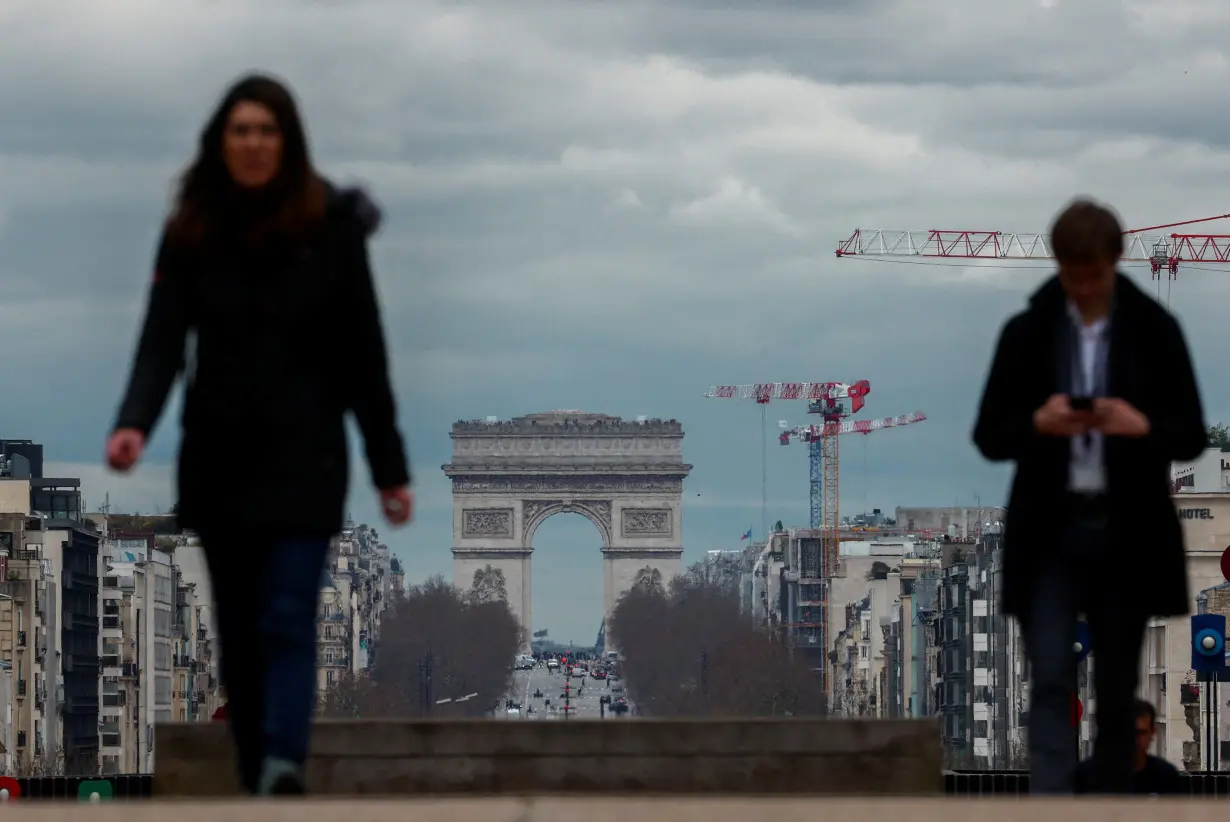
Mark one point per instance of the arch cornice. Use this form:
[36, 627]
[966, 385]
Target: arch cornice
[537, 511]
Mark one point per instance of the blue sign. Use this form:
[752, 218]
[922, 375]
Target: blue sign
[1084, 641]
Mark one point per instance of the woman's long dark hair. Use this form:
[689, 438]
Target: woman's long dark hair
[206, 185]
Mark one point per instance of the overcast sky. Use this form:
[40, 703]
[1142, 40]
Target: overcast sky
[612, 206]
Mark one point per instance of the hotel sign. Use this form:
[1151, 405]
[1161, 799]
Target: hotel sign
[1195, 513]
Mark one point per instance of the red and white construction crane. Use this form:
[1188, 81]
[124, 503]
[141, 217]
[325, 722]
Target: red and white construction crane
[1164, 252]
[807, 433]
[822, 440]
[827, 399]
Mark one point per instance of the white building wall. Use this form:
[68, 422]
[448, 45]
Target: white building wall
[1166, 655]
[1208, 473]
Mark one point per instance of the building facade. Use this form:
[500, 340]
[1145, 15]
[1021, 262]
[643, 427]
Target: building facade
[358, 586]
[50, 565]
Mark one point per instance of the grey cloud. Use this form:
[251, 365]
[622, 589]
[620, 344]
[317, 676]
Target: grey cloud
[502, 140]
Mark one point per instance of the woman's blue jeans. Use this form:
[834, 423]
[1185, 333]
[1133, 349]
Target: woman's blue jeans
[265, 599]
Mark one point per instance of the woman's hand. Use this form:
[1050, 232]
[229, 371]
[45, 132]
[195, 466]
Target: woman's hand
[397, 504]
[124, 448]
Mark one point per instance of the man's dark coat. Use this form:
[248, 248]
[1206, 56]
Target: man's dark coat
[1149, 367]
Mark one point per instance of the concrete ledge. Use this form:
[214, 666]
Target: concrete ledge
[610, 809]
[658, 756]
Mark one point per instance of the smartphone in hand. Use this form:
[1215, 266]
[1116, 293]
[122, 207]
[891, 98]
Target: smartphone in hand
[1081, 403]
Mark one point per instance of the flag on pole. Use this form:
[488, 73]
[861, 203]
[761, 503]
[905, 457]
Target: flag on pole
[746, 536]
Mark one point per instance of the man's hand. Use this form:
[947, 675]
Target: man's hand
[1119, 418]
[1057, 419]
[397, 504]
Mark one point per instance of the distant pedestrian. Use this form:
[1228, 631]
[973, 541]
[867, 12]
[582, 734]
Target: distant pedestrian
[1092, 394]
[1151, 775]
[264, 264]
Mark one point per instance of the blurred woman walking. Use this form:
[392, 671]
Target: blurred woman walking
[264, 265]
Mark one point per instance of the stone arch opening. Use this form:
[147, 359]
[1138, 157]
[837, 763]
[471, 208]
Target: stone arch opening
[536, 512]
[626, 477]
[566, 576]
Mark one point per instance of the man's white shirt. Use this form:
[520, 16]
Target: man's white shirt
[1086, 473]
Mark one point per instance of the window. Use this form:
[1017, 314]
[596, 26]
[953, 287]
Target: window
[164, 591]
[162, 659]
[162, 692]
[162, 623]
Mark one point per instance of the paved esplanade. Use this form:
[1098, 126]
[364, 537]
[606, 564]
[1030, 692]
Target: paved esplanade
[585, 696]
[626, 477]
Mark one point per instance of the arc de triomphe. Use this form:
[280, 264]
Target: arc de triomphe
[509, 476]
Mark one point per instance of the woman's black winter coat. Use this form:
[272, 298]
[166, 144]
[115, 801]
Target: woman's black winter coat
[277, 342]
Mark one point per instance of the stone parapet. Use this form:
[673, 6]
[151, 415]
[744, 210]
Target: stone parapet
[646, 756]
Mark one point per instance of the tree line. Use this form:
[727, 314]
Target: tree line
[688, 650]
[442, 651]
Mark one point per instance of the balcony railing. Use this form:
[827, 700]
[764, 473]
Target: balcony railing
[115, 700]
[111, 623]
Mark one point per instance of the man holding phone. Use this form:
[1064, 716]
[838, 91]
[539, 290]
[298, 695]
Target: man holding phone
[1092, 394]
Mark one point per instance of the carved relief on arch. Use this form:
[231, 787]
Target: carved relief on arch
[487, 522]
[647, 522]
[535, 511]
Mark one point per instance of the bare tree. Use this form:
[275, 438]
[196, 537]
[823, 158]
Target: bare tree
[48, 763]
[1219, 434]
[648, 579]
[719, 569]
[689, 652]
[437, 646]
[879, 570]
[489, 585]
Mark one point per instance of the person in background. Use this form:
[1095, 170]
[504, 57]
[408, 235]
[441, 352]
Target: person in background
[1092, 394]
[1151, 775]
[263, 264]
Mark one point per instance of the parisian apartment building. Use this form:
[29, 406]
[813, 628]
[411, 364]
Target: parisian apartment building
[908, 624]
[106, 624]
